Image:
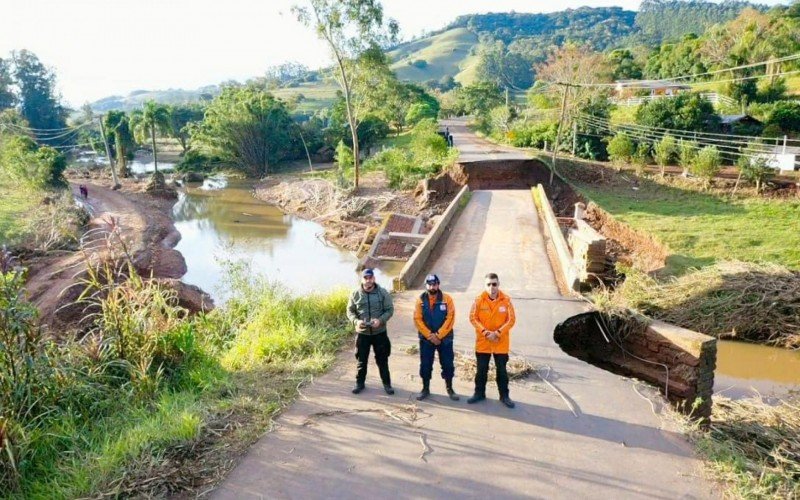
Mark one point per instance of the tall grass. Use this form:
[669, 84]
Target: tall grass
[115, 411]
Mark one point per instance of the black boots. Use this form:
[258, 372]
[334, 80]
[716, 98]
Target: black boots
[507, 401]
[477, 397]
[388, 389]
[426, 390]
[358, 387]
[450, 391]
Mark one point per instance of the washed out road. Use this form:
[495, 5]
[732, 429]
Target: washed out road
[593, 436]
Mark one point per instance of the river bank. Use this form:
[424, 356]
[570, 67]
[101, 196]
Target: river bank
[142, 221]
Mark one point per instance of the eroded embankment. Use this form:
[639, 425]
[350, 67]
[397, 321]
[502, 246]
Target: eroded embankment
[140, 222]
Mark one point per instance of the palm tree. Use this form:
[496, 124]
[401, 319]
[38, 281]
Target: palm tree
[117, 122]
[144, 123]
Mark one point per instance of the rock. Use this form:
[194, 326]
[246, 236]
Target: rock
[193, 177]
[190, 297]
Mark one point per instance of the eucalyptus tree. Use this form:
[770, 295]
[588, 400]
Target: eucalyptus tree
[39, 102]
[7, 97]
[146, 122]
[350, 28]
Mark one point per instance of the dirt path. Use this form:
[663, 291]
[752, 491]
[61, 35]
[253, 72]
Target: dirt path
[144, 224]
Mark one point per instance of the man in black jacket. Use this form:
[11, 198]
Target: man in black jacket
[368, 309]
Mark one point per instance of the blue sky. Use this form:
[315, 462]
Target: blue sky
[105, 47]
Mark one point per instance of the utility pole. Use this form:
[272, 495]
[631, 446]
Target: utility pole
[558, 133]
[574, 137]
[117, 185]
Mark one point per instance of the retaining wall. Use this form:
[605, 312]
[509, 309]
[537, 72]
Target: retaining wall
[552, 230]
[680, 362]
[420, 257]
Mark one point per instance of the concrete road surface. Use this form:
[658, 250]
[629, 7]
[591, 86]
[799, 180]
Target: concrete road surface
[590, 435]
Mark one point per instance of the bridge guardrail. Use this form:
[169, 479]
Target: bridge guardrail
[420, 257]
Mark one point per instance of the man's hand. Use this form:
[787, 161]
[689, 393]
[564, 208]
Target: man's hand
[494, 336]
[361, 325]
[434, 338]
[375, 323]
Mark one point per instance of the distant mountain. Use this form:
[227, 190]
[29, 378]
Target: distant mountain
[135, 99]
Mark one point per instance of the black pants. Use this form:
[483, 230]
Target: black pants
[482, 374]
[382, 347]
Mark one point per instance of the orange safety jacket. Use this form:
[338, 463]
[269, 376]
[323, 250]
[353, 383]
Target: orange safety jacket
[447, 327]
[490, 315]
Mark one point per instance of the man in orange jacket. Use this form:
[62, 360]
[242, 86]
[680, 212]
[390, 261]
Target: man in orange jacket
[492, 315]
[434, 316]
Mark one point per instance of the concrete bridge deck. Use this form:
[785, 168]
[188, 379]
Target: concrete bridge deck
[332, 444]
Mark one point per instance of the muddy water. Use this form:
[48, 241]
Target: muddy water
[221, 221]
[749, 369]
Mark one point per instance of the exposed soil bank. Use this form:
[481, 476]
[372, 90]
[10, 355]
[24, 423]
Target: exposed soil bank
[145, 225]
[345, 216]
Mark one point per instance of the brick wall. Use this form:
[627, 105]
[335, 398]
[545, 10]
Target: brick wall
[680, 362]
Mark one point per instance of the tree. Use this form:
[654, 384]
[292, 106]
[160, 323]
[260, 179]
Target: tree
[706, 164]
[247, 127]
[420, 111]
[755, 169]
[118, 128]
[664, 151]
[39, 103]
[503, 68]
[641, 156]
[7, 97]
[350, 28]
[181, 116]
[152, 118]
[620, 149]
[624, 65]
[577, 65]
[682, 112]
[786, 115]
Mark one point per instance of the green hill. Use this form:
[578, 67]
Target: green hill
[434, 57]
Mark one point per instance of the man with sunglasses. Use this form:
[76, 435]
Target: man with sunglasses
[368, 309]
[492, 315]
[434, 316]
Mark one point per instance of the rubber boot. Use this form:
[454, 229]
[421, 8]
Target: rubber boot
[358, 387]
[426, 389]
[450, 391]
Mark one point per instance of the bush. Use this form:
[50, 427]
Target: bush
[533, 136]
[706, 164]
[420, 111]
[641, 157]
[26, 164]
[687, 151]
[621, 149]
[664, 151]
[755, 170]
[786, 116]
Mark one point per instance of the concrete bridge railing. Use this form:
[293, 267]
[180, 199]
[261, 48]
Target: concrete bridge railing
[419, 259]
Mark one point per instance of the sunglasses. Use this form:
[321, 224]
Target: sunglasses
[492, 284]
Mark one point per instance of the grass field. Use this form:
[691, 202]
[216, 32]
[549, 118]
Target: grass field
[445, 54]
[700, 228]
[317, 95]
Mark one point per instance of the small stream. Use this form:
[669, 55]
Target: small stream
[220, 220]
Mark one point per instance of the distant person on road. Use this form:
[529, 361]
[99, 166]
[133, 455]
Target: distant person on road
[492, 315]
[368, 309]
[84, 191]
[434, 316]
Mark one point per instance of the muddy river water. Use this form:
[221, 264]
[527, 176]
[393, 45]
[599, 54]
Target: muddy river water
[220, 222]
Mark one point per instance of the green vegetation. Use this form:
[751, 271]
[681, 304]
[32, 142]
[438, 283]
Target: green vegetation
[702, 228]
[445, 54]
[421, 153]
[150, 388]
